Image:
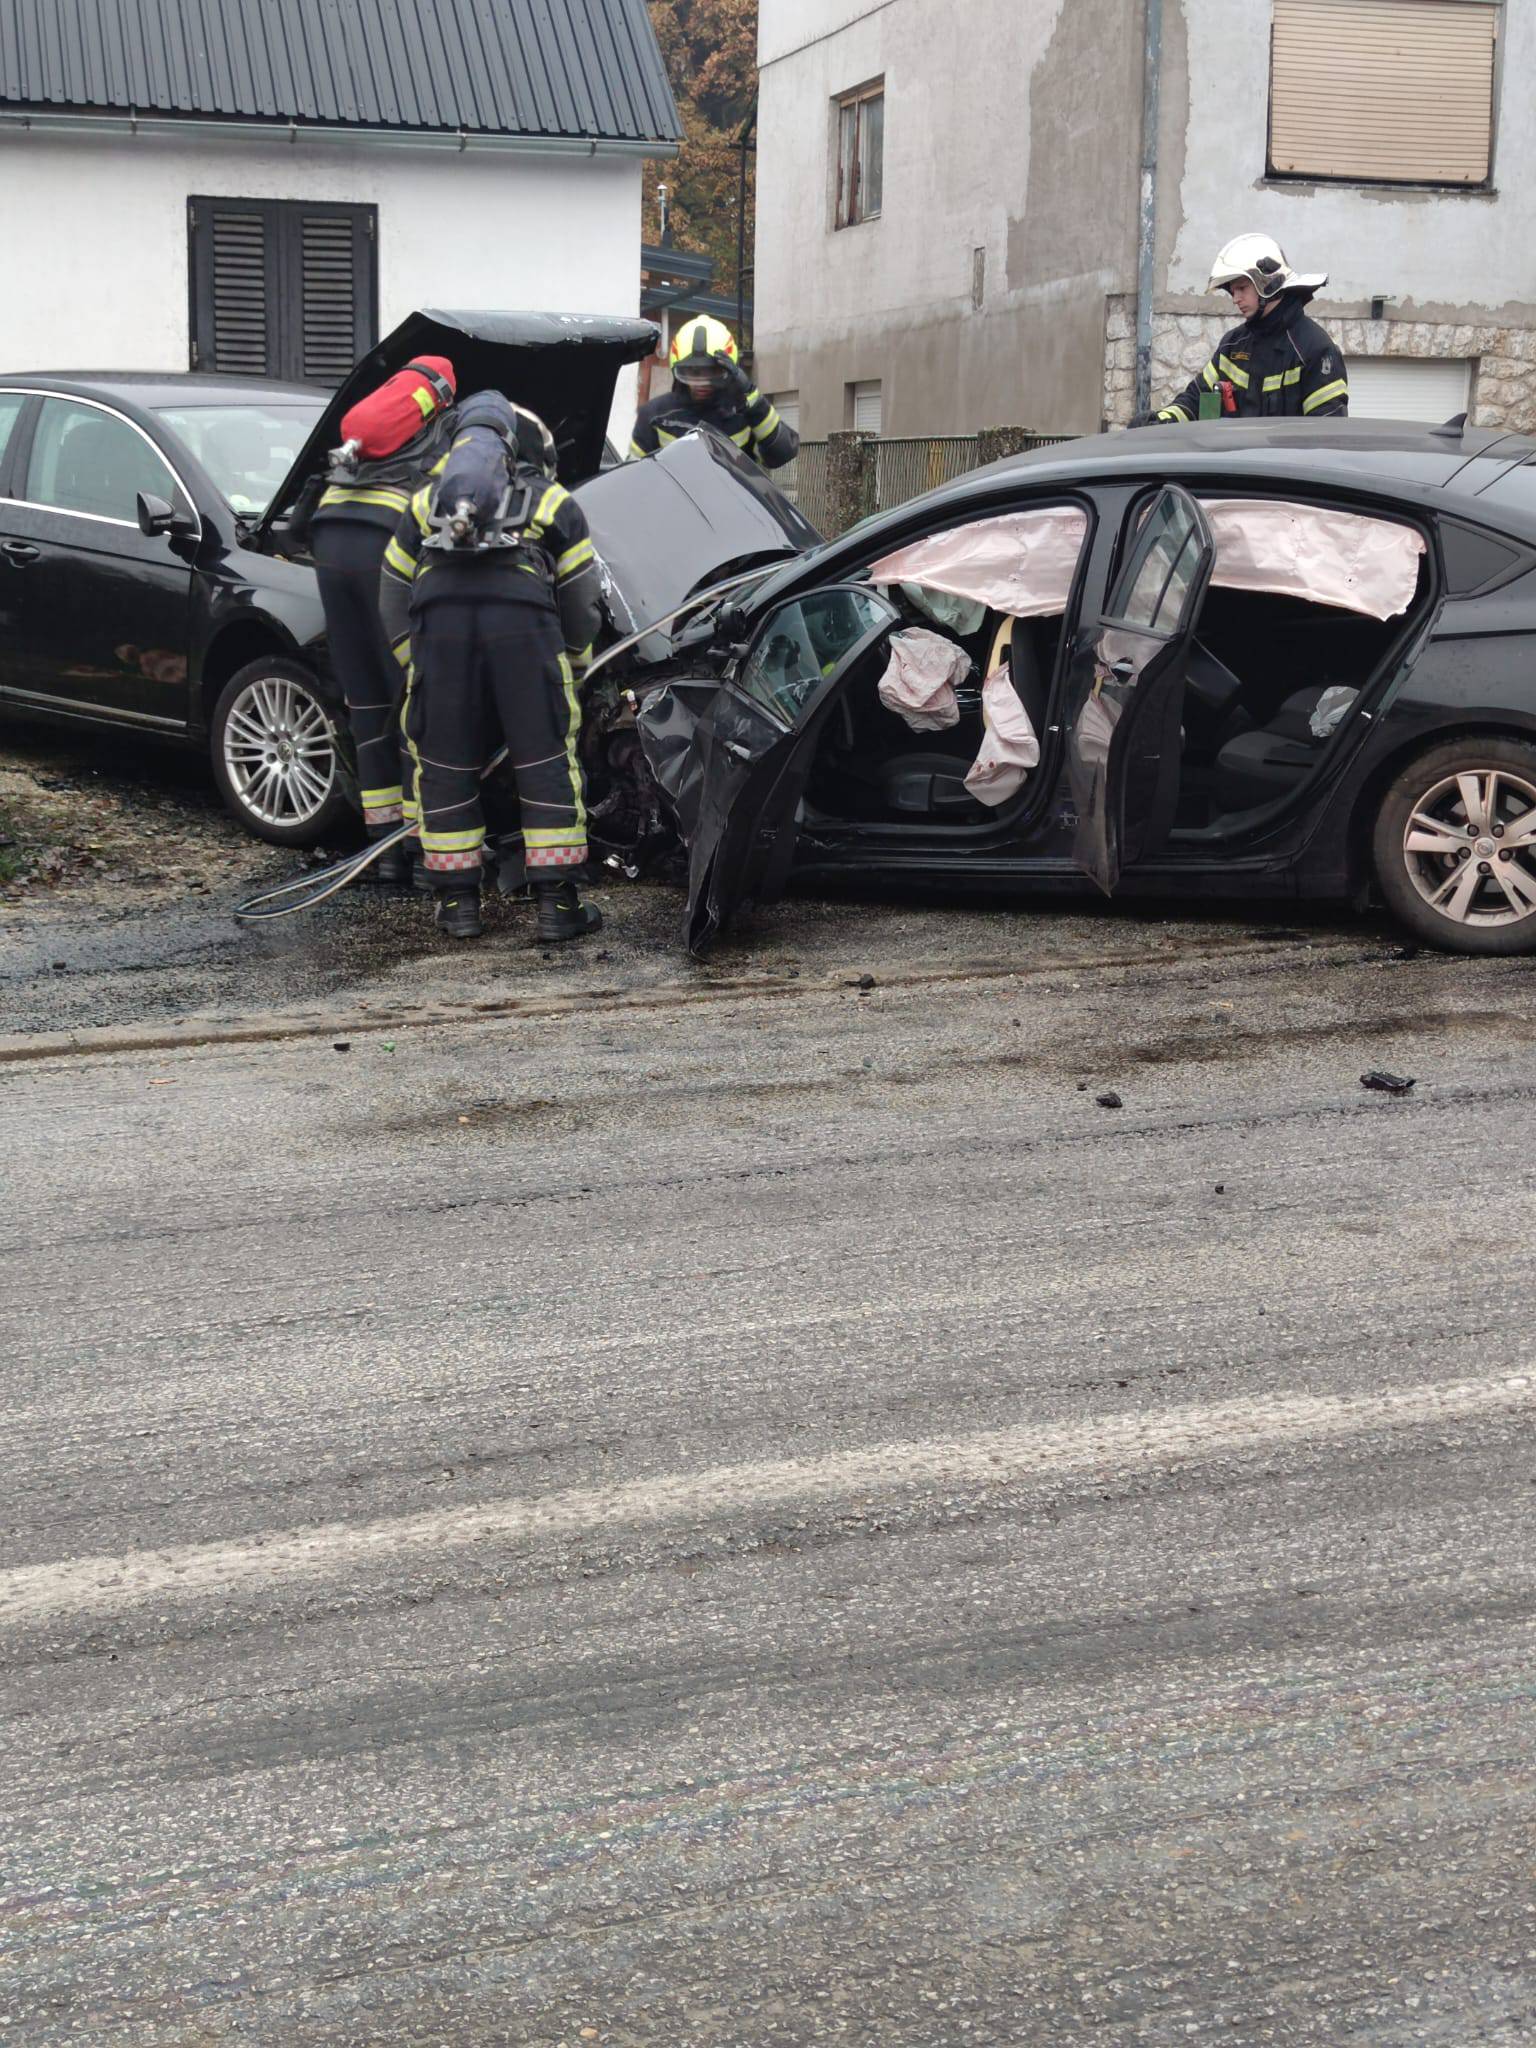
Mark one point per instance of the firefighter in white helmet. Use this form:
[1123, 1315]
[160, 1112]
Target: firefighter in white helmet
[710, 388]
[1278, 364]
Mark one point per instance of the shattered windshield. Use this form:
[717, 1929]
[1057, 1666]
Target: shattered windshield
[247, 449]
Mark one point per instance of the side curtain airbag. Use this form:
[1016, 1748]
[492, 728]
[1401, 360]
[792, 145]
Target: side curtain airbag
[1346, 559]
[1021, 563]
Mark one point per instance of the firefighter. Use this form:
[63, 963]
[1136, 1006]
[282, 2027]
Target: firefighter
[1278, 364]
[492, 580]
[710, 388]
[389, 442]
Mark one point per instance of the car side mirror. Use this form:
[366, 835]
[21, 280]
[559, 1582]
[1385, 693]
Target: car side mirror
[157, 518]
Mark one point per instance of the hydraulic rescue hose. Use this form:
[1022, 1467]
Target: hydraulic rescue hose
[307, 890]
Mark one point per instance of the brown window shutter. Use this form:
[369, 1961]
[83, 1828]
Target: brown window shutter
[1383, 91]
[233, 276]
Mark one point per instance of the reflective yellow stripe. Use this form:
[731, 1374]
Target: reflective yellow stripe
[637, 453]
[1229, 369]
[425, 400]
[356, 494]
[401, 650]
[1209, 374]
[399, 563]
[1338, 389]
[559, 835]
[767, 426]
[452, 842]
[574, 558]
[1286, 378]
[376, 799]
[581, 660]
[1174, 412]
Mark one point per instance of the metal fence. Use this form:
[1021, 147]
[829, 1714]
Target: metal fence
[896, 471]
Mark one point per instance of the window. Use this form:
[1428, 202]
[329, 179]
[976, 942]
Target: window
[247, 449]
[1383, 91]
[1409, 388]
[281, 288]
[802, 644]
[1163, 564]
[863, 408]
[787, 405]
[87, 460]
[860, 154]
[11, 403]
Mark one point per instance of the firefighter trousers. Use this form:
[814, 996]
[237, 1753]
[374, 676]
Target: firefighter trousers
[483, 672]
[349, 554]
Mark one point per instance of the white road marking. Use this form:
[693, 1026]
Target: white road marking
[993, 1459]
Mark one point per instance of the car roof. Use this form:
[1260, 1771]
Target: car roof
[1363, 453]
[154, 388]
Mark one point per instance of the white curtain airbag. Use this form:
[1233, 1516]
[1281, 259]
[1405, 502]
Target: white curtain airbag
[1345, 559]
[1021, 563]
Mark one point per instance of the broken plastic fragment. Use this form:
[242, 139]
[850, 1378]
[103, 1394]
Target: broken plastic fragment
[1385, 1083]
[1109, 1100]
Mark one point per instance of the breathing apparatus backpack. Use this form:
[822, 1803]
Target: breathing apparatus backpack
[496, 474]
[395, 433]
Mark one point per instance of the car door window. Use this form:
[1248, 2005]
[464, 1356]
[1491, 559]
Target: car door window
[1160, 570]
[11, 403]
[802, 644]
[94, 462]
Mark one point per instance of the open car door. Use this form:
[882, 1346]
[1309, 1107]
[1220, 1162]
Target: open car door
[753, 746]
[1125, 693]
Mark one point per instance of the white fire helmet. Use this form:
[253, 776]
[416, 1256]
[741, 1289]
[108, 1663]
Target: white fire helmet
[1261, 260]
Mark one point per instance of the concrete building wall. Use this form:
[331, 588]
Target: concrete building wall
[1010, 127]
[95, 236]
[1457, 268]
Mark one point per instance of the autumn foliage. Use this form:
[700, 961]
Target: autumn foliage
[710, 50]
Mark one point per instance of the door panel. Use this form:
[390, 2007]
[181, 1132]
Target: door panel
[14, 543]
[1126, 686]
[755, 742]
[98, 614]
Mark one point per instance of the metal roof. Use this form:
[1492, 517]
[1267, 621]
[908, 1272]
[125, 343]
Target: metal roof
[578, 69]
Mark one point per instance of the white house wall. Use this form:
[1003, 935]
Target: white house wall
[95, 236]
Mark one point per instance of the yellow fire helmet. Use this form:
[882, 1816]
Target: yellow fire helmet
[695, 347]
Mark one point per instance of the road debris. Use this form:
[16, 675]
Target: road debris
[1109, 1100]
[1385, 1083]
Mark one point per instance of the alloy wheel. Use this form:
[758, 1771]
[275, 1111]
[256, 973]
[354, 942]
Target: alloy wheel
[280, 751]
[1469, 847]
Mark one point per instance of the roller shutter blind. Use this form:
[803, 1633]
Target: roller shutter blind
[1408, 388]
[1383, 91]
[867, 407]
[281, 288]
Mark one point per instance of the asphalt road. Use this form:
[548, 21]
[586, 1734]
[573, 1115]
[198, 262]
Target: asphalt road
[647, 1506]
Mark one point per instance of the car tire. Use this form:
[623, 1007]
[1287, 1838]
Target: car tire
[1472, 793]
[277, 753]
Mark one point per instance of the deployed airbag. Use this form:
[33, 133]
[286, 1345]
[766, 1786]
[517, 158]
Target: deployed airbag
[1345, 559]
[920, 679]
[1010, 748]
[1021, 563]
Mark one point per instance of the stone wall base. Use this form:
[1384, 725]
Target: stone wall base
[1503, 383]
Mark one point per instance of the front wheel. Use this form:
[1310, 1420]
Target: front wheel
[276, 753]
[1454, 846]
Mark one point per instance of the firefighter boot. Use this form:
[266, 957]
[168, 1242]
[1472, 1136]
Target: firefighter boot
[458, 909]
[392, 870]
[560, 910]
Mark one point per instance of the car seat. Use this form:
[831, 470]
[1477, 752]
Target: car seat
[932, 784]
[1259, 767]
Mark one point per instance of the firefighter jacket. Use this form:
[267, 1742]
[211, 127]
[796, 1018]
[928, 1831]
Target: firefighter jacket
[748, 419]
[376, 493]
[1283, 367]
[553, 565]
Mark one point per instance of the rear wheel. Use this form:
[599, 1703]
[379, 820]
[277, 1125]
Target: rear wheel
[1454, 846]
[276, 753]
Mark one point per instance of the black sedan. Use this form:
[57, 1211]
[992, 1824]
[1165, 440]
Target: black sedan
[149, 576]
[1277, 659]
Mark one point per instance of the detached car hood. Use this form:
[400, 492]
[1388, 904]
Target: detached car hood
[563, 366]
[693, 514]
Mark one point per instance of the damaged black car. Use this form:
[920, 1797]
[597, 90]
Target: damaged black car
[1264, 660]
